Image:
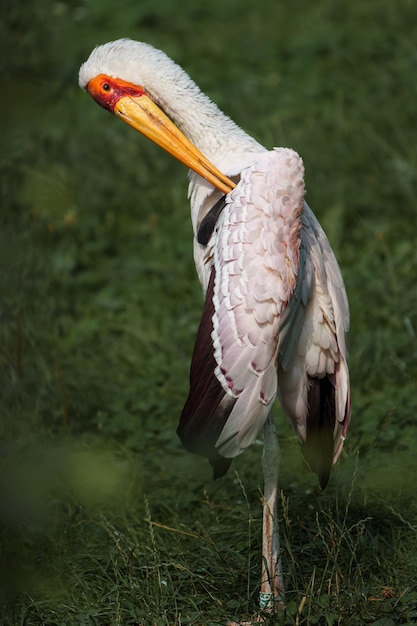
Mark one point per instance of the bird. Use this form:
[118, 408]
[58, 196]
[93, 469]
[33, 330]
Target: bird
[275, 320]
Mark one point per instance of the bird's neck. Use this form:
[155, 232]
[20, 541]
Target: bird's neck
[212, 132]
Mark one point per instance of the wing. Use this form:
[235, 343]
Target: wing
[312, 364]
[233, 379]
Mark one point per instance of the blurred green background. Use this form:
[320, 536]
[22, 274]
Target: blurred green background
[99, 305]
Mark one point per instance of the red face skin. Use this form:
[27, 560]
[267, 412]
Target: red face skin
[107, 91]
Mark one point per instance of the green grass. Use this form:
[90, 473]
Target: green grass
[105, 520]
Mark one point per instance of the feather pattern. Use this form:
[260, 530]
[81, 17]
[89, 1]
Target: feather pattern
[312, 364]
[255, 257]
[279, 320]
[256, 264]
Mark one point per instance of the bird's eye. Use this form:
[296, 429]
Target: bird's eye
[106, 87]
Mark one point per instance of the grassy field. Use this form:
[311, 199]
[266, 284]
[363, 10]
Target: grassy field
[104, 519]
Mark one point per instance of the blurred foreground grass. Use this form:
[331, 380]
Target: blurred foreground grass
[104, 518]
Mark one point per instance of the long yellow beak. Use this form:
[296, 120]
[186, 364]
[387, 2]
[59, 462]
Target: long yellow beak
[133, 105]
[146, 117]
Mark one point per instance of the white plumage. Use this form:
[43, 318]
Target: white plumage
[256, 263]
[276, 316]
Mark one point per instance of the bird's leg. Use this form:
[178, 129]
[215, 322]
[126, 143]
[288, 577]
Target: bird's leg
[272, 583]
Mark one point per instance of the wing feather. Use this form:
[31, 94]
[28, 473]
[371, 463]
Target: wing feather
[313, 374]
[207, 407]
[275, 302]
[255, 264]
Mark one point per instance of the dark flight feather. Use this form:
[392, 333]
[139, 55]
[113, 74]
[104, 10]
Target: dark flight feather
[207, 407]
[318, 448]
[208, 223]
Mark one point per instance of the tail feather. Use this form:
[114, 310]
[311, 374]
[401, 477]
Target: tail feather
[318, 448]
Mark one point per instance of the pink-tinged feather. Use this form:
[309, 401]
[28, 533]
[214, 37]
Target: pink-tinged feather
[313, 374]
[250, 288]
[275, 321]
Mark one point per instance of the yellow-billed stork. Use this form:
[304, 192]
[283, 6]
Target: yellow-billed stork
[276, 316]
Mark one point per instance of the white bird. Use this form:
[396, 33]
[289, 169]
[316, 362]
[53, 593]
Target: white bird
[276, 316]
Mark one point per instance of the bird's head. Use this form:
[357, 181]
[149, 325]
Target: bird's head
[101, 75]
